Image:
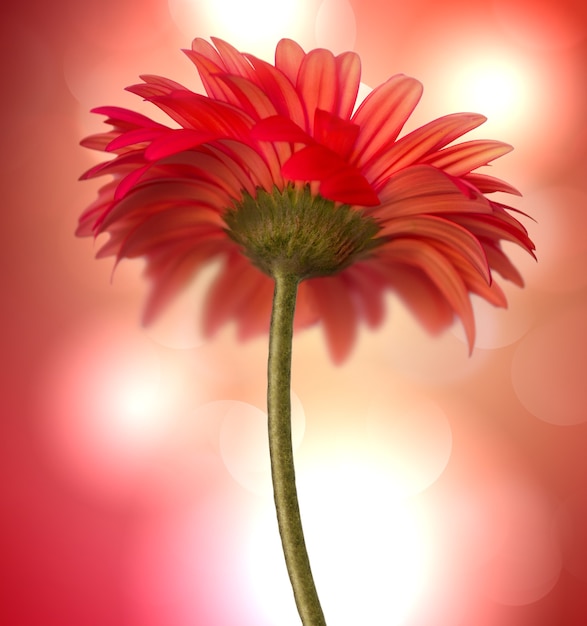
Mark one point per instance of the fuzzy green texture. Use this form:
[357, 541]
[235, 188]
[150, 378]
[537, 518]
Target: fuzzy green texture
[281, 451]
[301, 234]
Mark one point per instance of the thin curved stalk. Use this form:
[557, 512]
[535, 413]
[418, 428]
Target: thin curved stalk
[280, 447]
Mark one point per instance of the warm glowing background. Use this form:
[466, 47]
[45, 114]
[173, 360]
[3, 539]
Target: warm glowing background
[134, 464]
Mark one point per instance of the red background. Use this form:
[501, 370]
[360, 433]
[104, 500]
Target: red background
[133, 462]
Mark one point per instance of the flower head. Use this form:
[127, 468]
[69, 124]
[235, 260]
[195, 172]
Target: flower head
[246, 168]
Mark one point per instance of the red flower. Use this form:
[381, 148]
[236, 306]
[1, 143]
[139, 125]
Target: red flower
[265, 127]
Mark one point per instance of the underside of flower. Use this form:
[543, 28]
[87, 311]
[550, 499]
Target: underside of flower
[278, 168]
[300, 234]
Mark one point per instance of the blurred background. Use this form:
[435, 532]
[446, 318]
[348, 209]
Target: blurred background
[437, 489]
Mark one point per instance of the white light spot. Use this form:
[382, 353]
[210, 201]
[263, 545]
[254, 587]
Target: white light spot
[336, 27]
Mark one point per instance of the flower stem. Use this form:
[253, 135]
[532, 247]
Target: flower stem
[280, 448]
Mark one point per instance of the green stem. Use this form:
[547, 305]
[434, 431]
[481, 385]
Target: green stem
[280, 447]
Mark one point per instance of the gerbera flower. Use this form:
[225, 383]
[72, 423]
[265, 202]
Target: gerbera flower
[304, 196]
[293, 128]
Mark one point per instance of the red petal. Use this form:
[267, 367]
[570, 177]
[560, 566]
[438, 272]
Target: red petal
[317, 83]
[457, 239]
[280, 128]
[383, 113]
[280, 90]
[465, 157]
[198, 112]
[234, 62]
[209, 74]
[421, 296]
[230, 292]
[172, 274]
[419, 143]
[337, 312]
[250, 97]
[129, 181]
[172, 227]
[440, 271]
[368, 287]
[424, 189]
[133, 137]
[490, 184]
[124, 118]
[176, 141]
[288, 59]
[312, 163]
[349, 187]
[348, 71]
[338, 134]
[499, 262]
[262, 173]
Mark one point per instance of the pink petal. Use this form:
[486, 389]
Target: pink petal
[207, 50]
[441, 272]
[421, 296]
[201, 113]
[166, 85]
[493, 228]
[337, 313]
[99, 141]
[317, 83]
[348, 72]
[121, 165]
[177, 140]
[215, 167]
[457, 239]
[262, 168]
[414, 146]
[368, 289]
[134, 137]
[171, 278]
[124, 118]
[489, 184]
[159, 195]
[288, 59]
[280, 90]
[306, 314]
[250, 97]
[210, 75]
[234, 62]
[230, 291]
[500, 262]
[383, 114]
[254, 319]
[464, 157]
[424, 189]
[170, 227]
[129, 181]
[97, 208]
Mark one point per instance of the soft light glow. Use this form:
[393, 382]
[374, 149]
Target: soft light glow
[409, 438]
[492, 82]
[498, 327]
[548, 369]
[256, 25]
[107, 418]
[336, 27]
[244, 445]
[369, 549]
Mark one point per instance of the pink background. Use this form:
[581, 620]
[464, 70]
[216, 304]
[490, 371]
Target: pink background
[134, 475]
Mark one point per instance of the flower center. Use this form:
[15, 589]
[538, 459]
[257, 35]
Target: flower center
[300, 234]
